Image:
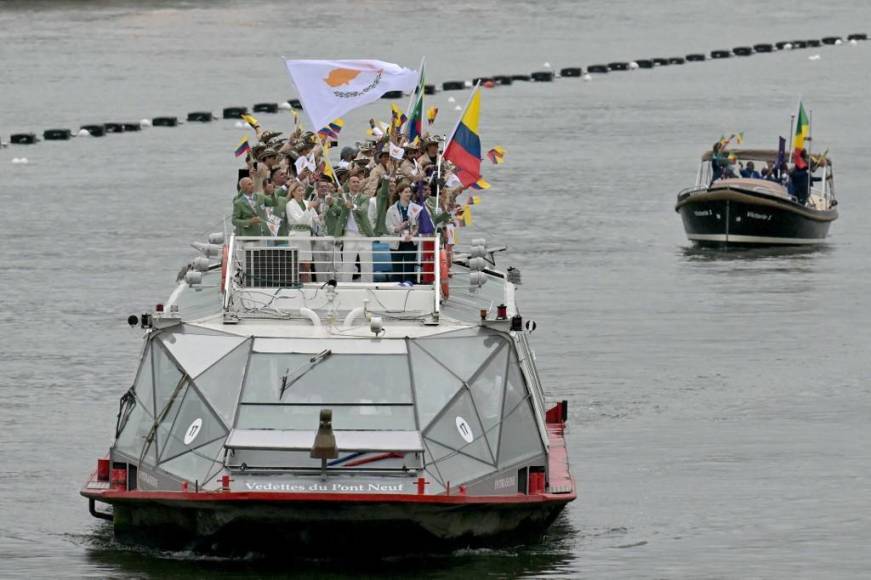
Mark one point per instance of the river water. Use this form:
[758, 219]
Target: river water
[719, 402]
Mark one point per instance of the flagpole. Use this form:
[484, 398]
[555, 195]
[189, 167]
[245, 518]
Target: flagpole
[810, 170]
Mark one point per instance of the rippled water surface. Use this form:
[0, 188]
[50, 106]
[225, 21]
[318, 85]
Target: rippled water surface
[719, 402]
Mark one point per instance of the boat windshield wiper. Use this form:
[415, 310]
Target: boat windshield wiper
[287, 380]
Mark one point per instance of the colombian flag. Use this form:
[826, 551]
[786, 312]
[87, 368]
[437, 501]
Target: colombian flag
[243, 147]
[464, 147]
[496, 155]
[802, 130]
[332, 130]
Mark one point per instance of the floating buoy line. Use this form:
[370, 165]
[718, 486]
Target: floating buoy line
[543, 76]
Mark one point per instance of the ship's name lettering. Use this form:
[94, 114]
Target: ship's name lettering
[758, 216]
[326, 487]
[703, 212]
[505, 482]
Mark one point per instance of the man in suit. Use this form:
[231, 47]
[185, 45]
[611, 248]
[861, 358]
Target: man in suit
[350, 221]
[248, 211]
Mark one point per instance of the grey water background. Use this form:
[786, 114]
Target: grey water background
[719, 402]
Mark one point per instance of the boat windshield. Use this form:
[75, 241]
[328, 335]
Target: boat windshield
[365, 391]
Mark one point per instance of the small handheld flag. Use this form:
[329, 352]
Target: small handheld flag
[496, 155]
[250, 120]
[739, 138]
[243, 147]
[399, 117]
[431, 114]
[481, 184]
[802, 130]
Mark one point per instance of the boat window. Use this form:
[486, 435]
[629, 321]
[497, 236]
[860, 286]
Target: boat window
[194, 426]
[306, 417]
[463, 355]
[520, 436]
[364, 391]
[198, 464]
[166, 376]
[338, 378]
[458, 428]
[434, 385]
[221, 383]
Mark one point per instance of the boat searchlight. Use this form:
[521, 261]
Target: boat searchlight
[325, 441]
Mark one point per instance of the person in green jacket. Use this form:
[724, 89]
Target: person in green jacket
[249, 215]
[350, 221]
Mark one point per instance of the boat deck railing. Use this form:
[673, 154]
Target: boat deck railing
[268, 276]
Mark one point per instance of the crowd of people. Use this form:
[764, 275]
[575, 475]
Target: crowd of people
[796, 178]
[383, 188]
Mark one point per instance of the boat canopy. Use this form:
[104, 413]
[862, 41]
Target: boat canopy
[462, 396]
[769, 155]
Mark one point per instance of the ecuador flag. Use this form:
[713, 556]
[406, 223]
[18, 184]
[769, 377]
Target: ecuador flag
[464, 146]
[802, 130]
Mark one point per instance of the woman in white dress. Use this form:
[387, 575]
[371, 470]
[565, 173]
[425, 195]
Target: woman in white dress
[301, 217]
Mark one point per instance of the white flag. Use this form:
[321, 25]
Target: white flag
[396, 152]
[330, 88]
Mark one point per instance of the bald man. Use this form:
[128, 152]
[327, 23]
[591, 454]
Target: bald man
[248, 212]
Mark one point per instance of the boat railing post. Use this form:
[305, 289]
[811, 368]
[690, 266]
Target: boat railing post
[437, 279]
[228, 274]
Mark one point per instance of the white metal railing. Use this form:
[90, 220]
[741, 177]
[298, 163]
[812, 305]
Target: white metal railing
[385, 263]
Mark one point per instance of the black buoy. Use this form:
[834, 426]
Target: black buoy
[235, 112]
[164, 121]
[857, 36]
[57, 134]
[799, 44]
[644, 63]
[114, 127]
[392, 95]
[696, 57]
[521, 78]
[831, 39]
[782, 44]
[453, 85]
[483, 80]
[95, 130]
[813, 43]
[763, 47]
[572, 71]
[295, 104]
[544, 76]
[200, 117]
[743, 50]
[721, 54]
[265, 108]
[597, 68]
[676, 60]
[429, 89]
[660, 61]
[503, 79]
[23, 138]
[131, 127]
[618, 66]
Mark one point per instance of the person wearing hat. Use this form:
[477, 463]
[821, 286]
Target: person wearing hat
[266, 160]
[409, 168]
[249, 211]
[345, 157]
[383, 167]
[429, 156]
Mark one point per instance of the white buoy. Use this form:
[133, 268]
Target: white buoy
[145, 123]
[587, 77]
[787, 46]
[546, 65]
[854, 42]
[284, 106]
[241, 124]
[467, 84]
[20, 160]
[83, 133]
[25, 160]
[16, 160]
[452, 100]
[458, 108]
[838, 41]
[633, 65]
[814, 57]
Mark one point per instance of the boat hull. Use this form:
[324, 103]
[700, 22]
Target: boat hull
[737, 218]
[303, 527]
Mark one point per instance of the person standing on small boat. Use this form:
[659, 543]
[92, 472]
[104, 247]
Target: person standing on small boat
[402, 220]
